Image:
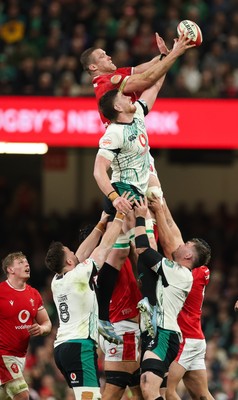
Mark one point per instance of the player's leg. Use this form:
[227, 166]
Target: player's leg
[106, 282]
[121, 363]
[176, 373]
[107, 278]
[196, 384]
[160, 353]
[12, 379]
[81, 358]
[119, 376]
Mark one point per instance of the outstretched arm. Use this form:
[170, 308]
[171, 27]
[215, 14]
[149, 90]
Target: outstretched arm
[141, 82]
[102, 251]
[150, 95]
[169, 234]
[163, 51]
[88, 245]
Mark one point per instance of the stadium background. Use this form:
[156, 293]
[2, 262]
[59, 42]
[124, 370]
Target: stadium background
[52, 196]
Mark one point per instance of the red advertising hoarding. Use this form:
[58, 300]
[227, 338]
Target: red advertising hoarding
[172, 123]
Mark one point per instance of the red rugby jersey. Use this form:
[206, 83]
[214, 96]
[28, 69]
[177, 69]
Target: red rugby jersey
[189, 318]
[18, 308]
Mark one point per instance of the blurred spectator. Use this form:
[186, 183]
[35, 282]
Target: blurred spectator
[190, 70]
[13, 24]
[53, 35]
[67, 86]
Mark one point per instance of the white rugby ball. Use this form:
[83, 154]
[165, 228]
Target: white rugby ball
[192, 30]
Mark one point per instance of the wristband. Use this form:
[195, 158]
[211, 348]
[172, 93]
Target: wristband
[142, 241]
[162, 55]
[119, 216]
[100, 227]
[113, 196]
[140, 221]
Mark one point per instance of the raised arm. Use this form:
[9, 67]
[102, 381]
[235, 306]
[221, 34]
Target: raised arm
[141, 82]
[102, 251]
[169, 234]
[150, 95]
[164, 51]
[88, 245]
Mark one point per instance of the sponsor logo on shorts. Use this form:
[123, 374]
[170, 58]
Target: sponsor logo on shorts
[73, 376]
[113, 351]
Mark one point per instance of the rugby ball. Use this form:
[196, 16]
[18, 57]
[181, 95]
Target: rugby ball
[192, 30]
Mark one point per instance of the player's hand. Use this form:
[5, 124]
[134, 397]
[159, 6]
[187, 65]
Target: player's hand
[124, 202]
[161, 44]
[141, 207]
[35, 330]
[155, 204]
[181, 44]
[104, 219]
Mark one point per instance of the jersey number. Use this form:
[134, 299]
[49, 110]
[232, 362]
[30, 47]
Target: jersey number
[64, 313]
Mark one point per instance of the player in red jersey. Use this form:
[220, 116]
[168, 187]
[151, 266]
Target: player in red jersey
[22, 315]
[132, 81]
[189, 364]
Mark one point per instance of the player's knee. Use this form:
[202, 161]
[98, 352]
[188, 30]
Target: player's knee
[135, 378]
[119, 378]
[153, 365]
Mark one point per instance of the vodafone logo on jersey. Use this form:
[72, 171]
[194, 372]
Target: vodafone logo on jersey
[23, 316]
[142, 139]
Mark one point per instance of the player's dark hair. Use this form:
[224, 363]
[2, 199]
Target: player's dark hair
[106, 105]
[86, 58]
[55, 257]
[8, 260]
[203, 252]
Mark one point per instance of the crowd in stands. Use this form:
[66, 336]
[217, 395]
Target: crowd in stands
[41, 42]
[40, 46]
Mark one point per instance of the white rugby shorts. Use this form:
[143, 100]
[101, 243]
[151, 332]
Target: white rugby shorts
[191, 355]
[129, 349]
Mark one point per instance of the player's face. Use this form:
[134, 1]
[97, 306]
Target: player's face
[103, 62]
[70, 256]
[125, 103]
[182, 251]
[21, 268]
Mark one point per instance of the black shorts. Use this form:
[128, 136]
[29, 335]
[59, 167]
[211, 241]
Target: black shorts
[77, 361]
